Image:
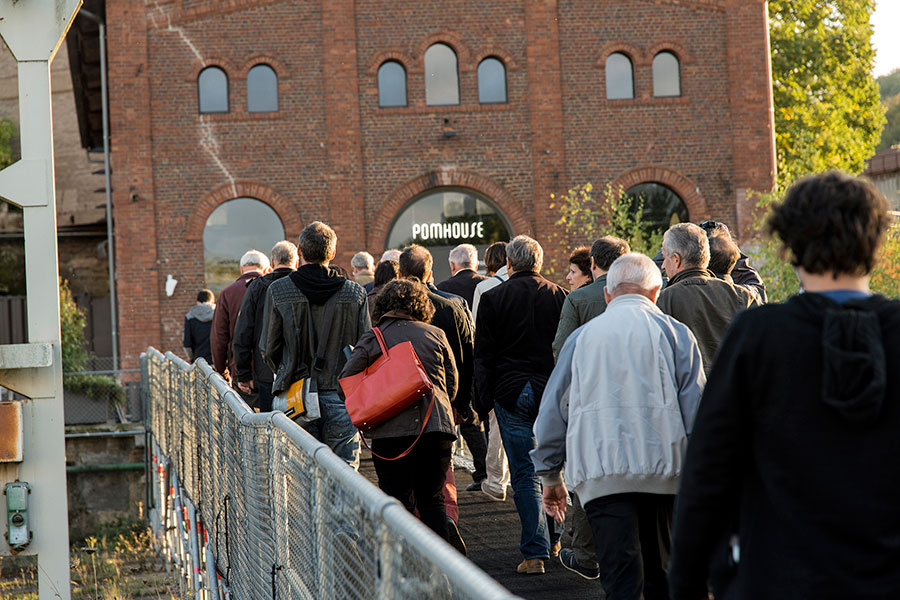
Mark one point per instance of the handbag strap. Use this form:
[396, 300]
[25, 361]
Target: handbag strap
[380, 337]
[408, 450]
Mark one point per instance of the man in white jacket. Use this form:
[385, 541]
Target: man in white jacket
[618, 409]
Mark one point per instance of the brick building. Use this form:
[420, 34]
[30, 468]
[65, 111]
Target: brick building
[395, 121]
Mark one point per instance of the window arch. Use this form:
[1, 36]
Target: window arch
[661, 207]
[619, 76]
[233, 228]
[491, 81]
[391, 84]
[666, 75]
[262, 89]
[441, 75]
[212, 90]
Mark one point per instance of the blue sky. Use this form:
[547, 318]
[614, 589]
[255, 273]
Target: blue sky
[886, 40]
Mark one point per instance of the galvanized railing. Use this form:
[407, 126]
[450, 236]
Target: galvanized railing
[248, 505]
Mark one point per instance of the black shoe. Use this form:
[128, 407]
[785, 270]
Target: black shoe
[474, 486]
[455, 540]
[567, 558]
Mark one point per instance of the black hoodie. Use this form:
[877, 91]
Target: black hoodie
[799, 431]
[317, 283]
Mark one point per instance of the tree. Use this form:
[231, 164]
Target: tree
[827, 109]
[7, 133]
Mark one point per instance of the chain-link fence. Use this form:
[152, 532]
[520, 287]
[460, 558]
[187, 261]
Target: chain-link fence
[101, 394]
[250, 505]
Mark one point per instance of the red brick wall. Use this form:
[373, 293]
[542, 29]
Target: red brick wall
[331, 153]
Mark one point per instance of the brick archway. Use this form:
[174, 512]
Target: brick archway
[686, 189]
[434, 180]
[286, 211]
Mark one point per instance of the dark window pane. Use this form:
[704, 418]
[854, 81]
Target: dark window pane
[391, 84]
[212, 89]
[662, 207]
[441, 75]
[233, 228]
[441, 220]
[666, 75]
[491, 81]
[619, 77]
[262, 89]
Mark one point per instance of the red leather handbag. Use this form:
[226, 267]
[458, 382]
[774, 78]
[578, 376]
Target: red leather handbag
[390, 385]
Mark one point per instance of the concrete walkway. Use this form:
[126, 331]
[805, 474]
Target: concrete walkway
[491, 532]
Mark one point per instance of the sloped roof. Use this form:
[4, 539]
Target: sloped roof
[887, 161]
[83, 43]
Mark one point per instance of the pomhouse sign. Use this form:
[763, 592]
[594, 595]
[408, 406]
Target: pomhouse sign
[444, 231]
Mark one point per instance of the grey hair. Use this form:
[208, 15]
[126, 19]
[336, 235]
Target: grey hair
[254, 258]
[392, 254]
[689, 242]
[465, 255]
[284, 253]
[525, 254]
[363, 260]
[633, 269]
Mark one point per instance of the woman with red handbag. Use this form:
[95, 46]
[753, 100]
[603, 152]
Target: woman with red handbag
[411, 450]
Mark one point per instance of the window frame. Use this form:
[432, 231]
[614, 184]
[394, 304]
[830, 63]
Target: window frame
[606, 70]
[455, 73]
[220, 69]
[405, 83]
[277, 88]
[671, 53]
[505, 71]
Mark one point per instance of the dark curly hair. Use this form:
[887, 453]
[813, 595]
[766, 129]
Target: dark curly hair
[581, 258]
[495, 257]
[387, 270]
[831, 223]
[406, 296]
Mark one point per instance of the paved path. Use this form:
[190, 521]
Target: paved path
[491, 532]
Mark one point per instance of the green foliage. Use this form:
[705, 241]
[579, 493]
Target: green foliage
[827, 109]
[889, 85]
[885, 277]
[7, 133]
[586, 217]
[890, 136]
[766, 256]
[98, 387]
[71, 322]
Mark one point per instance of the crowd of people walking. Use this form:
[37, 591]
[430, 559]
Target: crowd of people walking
[663, 430]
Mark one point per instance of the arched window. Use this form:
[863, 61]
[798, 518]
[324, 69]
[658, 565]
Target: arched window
[391, 84]
[666, 75]
[212, 90]
[619, 77]
[491, 81]
[262, 89]
[443, 218]
[233, 228]
[661, 207]
[441, 75]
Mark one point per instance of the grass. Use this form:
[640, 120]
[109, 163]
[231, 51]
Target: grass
[122, 566]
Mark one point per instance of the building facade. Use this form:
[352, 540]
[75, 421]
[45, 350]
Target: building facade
[235, 123]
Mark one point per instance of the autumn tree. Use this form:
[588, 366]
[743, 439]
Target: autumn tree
[827, 109]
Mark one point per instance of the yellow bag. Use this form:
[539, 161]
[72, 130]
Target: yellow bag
[298, 401]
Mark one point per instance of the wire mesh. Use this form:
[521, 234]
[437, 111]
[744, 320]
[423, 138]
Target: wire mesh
[281, 515]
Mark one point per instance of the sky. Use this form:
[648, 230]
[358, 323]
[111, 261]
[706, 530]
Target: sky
[886, 21]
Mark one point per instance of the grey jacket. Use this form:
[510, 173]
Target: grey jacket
[580, 306]
[617, 428]
[433, 350]
[286, 343]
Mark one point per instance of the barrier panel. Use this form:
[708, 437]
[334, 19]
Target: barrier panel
[248, 505]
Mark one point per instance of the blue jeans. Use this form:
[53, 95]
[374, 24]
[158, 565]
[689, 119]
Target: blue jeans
[335, 429]
[516, 431]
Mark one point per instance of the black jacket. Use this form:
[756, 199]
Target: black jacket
[247, 330]
[197, 324]
[453, 318]
[798, 431]
[294, 305]
[433, 351]
[462, 284]
[517, 321]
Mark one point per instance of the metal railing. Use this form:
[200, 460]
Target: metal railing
[248, 505]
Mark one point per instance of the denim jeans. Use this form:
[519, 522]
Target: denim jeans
[335, 429]
[518, 440]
